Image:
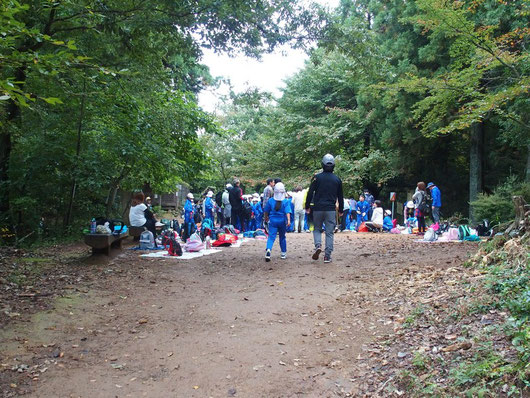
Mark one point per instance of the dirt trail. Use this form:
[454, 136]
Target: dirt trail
[228, 324]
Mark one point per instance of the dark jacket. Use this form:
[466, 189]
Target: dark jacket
[234, 195]
[325, 190]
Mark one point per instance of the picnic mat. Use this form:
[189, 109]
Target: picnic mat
[185, 255]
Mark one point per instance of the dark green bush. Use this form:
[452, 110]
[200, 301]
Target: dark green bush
[498, 207]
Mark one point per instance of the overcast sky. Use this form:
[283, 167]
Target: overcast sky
[267, 75]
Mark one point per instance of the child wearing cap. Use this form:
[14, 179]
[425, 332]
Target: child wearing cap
[257, 213]
[277, 213]
[189, 221]
[209, 206]
[387, 221]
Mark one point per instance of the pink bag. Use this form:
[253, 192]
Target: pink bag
[395, 231]
[194, 244]
[452, 234]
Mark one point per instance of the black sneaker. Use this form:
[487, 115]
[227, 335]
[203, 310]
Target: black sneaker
[317, 252]
[268, 256]
[327, 259]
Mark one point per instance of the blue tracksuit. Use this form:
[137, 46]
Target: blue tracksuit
[277, 222]
[291, 228]
[208, 209]
[255, 223]
[362, 207]
[188, 215]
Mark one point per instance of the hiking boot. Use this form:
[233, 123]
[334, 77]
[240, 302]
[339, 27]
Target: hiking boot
[317, 252]
[327, 259]
[268, 256]
[283, 256]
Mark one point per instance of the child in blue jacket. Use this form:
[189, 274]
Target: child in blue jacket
[362, 211]
[189, 213]
[277, 213]
[387, 221]
[257, 212]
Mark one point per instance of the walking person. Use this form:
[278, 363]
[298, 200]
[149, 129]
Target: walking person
[299, 212]
[277, 213]
[324, 192]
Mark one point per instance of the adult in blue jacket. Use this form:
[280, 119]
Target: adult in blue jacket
[189, 215]
[209, 207]
[362, 211]
[436, 196]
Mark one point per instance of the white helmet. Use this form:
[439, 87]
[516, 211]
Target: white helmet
[209, 194]
[189, 195]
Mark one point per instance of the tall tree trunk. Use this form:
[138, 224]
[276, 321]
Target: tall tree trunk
[366, 141]
[13, 116]
[527, 176]
[68, 217]
[476, 149]
[111, 198]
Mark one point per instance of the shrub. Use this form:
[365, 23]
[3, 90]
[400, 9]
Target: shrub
[498, 207]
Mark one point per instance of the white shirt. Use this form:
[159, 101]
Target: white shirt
[298, 200]
[346, 204]
[137, 216]
[377, 216]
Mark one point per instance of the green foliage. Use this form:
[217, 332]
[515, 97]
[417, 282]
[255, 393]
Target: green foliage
[100, 97]
[498, 207]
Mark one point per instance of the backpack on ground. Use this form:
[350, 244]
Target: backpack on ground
[463, 232]
[174, 248]
[430, 235]
[484, 228]
[219, 198]
[230, 229]
[147, 240]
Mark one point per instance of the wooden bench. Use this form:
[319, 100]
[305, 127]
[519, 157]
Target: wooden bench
[102, 243]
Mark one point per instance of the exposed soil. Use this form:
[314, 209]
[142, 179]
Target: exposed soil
[227, 324]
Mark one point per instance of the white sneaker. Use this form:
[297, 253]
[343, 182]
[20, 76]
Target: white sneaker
[283, 256]
[268, 256]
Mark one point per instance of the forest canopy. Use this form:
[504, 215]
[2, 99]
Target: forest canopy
[99, 98]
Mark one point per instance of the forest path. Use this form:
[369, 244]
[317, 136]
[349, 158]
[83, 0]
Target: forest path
[227, 324]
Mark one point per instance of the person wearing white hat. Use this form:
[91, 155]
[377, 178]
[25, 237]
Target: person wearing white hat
[209, 207]
[277, 213]
[189, 222]
[257, 213]
[387, 221]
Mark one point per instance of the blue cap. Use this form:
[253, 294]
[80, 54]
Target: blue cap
[431, 184]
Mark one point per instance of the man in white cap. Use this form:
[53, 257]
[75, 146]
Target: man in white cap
[324, 192]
